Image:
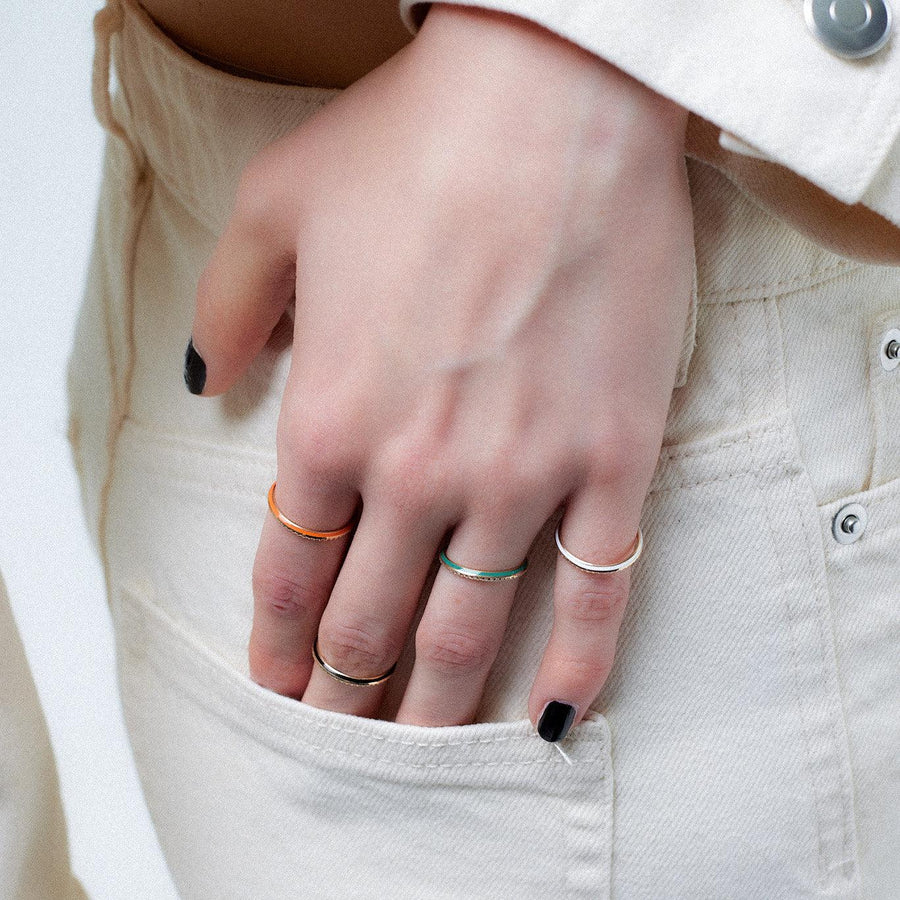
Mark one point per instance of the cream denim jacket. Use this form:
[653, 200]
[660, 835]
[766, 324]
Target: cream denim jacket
[763, 90]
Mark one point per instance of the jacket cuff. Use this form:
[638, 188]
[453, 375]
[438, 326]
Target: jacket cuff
[756, 71]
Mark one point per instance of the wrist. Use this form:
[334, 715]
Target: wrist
[500, 49]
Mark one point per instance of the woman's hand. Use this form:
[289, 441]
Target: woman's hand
[489, 241]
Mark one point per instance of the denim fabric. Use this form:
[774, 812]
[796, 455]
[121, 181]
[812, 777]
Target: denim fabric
[34, 853]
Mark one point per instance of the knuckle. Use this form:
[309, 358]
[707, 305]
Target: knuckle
[621, 453]
[287, 595]
[597, 605]
[253, 203]
[506, 501]
[503, 462]
[207, 295]
[409, 474]
[587, 674]
[613, 460]
[316, 440]
[355, 648]
[282, 676]
[501, 488]
[454, 651]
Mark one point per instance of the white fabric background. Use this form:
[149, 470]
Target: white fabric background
[50, 151]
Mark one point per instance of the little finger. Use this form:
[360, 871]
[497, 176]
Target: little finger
[588, 607]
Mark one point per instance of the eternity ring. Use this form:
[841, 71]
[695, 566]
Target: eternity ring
[591, 567]
[481, 575]
[349, 679]
[307, 533]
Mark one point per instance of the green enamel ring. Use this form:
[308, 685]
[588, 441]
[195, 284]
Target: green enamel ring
[480, 575]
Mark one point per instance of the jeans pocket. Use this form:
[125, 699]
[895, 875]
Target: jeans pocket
[863, 572]
[257, 795]
[731, 761]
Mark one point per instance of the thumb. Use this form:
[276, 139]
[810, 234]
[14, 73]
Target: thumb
[243, 292]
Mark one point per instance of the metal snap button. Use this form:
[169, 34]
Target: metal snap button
[849, 523]
[890, 350]
[850, 29]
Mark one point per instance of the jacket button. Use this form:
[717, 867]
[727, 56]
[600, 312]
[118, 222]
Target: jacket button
[849, 28]
[890, 350]
[849, 523]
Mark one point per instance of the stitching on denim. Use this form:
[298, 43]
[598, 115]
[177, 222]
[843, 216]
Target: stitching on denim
[888, 131]
[741, 339]
[686, 483]
[893, 522]
[202, 659]
[795, 667]
[775, 366]
[790, 617]
[673, 453]
[776, 360]
[210, 489]
[268, 718]
[305, 744]
[812, 278]
[838, 776]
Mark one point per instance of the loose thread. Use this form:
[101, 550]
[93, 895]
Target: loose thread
[563, 754]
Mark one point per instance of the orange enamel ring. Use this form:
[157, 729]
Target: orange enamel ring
[307, 533]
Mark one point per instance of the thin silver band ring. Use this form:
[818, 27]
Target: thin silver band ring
[591, 567]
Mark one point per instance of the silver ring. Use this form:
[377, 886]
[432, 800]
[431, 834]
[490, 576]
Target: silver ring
[591, 567]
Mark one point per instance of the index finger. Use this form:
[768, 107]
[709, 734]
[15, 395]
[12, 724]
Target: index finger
[293, 575]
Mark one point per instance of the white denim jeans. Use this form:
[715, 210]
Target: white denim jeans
[746, 744]
[34, 852]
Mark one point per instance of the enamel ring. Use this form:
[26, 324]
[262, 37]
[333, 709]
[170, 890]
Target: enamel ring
[480, 574]
[307, 533]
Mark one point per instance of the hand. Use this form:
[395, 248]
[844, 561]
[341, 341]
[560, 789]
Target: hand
[489, 242]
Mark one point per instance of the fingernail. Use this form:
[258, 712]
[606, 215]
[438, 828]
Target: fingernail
[555, 721]
[194, 369]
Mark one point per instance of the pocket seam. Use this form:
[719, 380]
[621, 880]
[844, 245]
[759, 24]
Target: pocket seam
[218, 670]
[823, 800]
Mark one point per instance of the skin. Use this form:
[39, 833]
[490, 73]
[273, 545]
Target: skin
[300, 41]
[492, 273]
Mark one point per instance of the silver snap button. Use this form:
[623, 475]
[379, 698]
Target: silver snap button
[850, 15]
[890, 350]
[851, 29]
[849, 523]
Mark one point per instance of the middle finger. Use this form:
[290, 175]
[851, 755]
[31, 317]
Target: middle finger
[372, 605]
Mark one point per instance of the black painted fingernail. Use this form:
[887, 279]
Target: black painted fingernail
[555, 721]
[194, 369]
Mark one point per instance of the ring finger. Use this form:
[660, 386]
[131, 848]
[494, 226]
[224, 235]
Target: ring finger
[464, 621]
